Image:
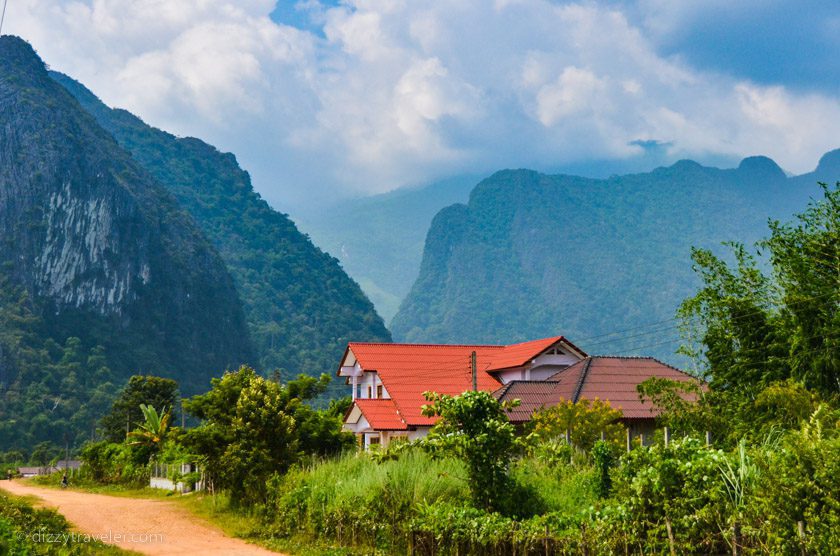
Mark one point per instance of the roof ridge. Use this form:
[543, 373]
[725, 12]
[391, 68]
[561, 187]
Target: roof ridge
[426, 345]
[649, 358]
[626, 357]
[581, 380]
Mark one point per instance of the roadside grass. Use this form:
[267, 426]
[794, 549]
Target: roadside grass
[80, 483]
[26, 529]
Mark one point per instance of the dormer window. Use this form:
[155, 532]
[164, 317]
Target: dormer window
[379, 391]
[370, 392]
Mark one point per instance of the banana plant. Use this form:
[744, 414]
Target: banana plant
[153, 429]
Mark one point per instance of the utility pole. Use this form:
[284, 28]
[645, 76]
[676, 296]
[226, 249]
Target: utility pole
[474, 373]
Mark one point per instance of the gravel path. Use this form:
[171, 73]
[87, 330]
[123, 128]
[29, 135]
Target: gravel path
[146, 526]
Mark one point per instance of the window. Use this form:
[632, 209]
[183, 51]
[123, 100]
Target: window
[370, 391]
[378, 390]
[358, 390]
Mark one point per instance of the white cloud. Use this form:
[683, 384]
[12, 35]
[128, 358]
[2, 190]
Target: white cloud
[399, 92]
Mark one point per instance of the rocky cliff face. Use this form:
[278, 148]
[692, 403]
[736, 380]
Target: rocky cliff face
[101, 247]
[300, 305]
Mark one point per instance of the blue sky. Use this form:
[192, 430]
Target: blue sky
[771, 42]
[321, 100]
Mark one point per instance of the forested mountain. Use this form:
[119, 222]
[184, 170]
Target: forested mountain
[300, 305]
[94, 247]
[379, 239]
[533, 255]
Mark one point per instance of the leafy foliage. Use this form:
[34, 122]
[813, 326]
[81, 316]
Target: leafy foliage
[585, 422]
[126, 412]
[253, 428]
[474, 428]
[758, 328]
[115, 463]
[48, 392]
[152, 431]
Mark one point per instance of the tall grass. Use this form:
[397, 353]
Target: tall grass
[354, 500]
[389, 506]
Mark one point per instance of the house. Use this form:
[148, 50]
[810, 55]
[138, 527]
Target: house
[59, 467]
[607, 378]
[387, 381]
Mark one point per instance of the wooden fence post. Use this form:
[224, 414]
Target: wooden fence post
[629, 440]
[667, 436]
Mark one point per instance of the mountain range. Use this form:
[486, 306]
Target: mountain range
[533, 255]
[126, 250]
[379, 239]
[300, 305]
[103, 251]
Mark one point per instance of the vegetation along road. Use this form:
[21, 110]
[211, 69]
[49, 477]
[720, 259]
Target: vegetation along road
[139, 525]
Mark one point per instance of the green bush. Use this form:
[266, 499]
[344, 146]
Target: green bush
[109, 463]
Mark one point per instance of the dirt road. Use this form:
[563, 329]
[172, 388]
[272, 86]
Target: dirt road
[156, 527]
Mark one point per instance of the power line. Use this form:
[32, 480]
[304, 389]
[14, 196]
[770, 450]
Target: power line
[3, 17]
[582, 342]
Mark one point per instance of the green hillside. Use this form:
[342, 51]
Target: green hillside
[379, 239]
[101, 273]
[534, 255]
[300, 305]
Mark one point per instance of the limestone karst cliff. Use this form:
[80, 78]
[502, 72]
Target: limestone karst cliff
[102, 249]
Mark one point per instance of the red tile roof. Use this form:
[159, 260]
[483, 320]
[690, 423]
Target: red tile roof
[408, 370]
[606, 378]
[517, 355]
[532, 394]
[381, 414]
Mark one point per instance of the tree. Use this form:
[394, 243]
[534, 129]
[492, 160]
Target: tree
[153, 429]
[125, 412]
[475, 428]
[584, 421]
[683, 405]
[252, 427]
[758, 328]
[264, 441]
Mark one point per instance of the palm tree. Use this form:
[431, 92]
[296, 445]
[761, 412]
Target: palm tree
[153, 430]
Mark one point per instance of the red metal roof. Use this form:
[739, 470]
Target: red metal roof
[612, 379]
[408, 370]
[381, 414]
[516, 355]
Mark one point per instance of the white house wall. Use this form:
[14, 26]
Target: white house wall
[554, 360]
[510, 374]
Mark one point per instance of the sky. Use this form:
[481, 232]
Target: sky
[325, 100]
